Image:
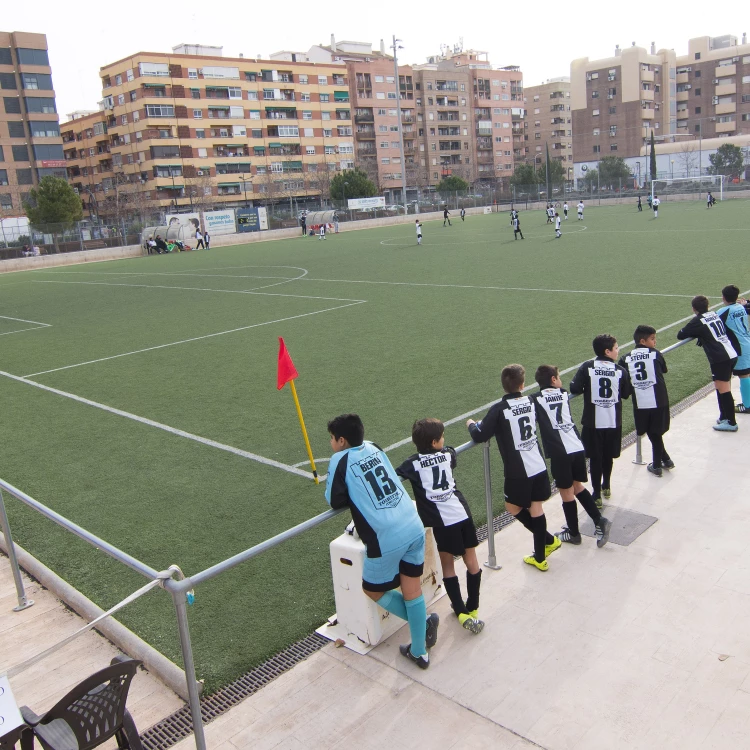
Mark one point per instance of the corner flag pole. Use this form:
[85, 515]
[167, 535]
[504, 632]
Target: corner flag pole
[304, 432]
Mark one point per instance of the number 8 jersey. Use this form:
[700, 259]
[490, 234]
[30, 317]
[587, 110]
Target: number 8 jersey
[603, 384]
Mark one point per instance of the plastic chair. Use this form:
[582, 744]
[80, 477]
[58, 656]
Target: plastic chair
[91, 713]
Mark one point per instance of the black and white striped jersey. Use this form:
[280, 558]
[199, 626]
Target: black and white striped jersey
[559, 434]
[719, 343]
[603, 384]
[646, 368]
[439, 503]
[512, 421]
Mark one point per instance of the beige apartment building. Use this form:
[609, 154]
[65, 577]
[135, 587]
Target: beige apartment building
[618, 102]
[30, 143]
[549, 123]
[196, 129]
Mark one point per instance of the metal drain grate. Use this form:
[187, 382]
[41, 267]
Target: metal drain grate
[172, 729]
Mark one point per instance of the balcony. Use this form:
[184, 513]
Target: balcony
[364, 118]
[647, 75]
[485, 159]
[725, 89]
[230, 153]
[725, 127]
[683, 78]
[649, 95]
[725, 70]
[726, 109]
[648, 114]
[682, 96]
[365, 135]
[449, 131]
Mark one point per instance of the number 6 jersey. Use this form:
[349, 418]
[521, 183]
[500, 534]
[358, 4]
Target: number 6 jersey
[603, 384]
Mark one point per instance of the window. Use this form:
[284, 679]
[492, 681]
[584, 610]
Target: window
[745, 79]
[613, 129]
[307, 115]
[254, 114]
[195, 93]
[118, 80]
[595, 113]
[613, 110]
[45, 129]
[200, 133]
[234, 92]
[288, 131]
[123, 120]
[594, 94]
[3, 176]
[32, 56]
[37, 105]
[6, 200]
[159, 110]
[391, 94]
[330, 149]
[597, 149]
[697, 110]
[380, 95]
[12, 105]
[390, 79]
[7, 81]
[197, 114]
[380, 79]
[153, 69]
[325, 98]
[327, 132]
[15, 129]
[303, 79]
[310, 150]
[24, 177]
[613, 147]
[325, 115]
[597, 131]
[20, 153]
[308, 132]
[384, 144]
[697, 74]
[697, 92]
[36, 81]
[322, 80]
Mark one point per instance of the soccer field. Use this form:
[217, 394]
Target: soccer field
[183, 451]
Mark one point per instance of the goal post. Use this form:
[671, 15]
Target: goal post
[713, 183]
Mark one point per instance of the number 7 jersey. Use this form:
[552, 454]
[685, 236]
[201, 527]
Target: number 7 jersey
[559, 434]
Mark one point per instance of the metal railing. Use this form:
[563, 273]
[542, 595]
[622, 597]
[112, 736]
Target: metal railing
[180, 589]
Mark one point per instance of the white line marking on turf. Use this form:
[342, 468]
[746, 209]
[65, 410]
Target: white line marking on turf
[21, 320]
[196, 338]
[197, 289]
[166, 428]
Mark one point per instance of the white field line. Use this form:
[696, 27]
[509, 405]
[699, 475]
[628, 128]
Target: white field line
[488, 405]
[21, 330]
[195, 338]
[21, 320]
[166, 428]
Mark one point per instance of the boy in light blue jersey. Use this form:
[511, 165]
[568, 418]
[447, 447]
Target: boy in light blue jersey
[734, 315]
[361, 477]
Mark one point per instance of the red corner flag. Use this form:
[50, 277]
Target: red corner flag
[287, 370]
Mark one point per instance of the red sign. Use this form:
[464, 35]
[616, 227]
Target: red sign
[53, 162]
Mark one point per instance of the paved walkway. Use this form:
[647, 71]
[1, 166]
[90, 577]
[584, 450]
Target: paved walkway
[645, 646]
[24, 634]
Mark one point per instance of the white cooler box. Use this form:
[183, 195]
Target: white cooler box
[359, 622]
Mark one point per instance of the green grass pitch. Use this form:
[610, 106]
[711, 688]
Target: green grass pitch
[374, 324]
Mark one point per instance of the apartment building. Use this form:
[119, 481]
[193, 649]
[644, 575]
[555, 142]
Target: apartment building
[548, 122]
[194, 128]
[30, 143]
[618, 102]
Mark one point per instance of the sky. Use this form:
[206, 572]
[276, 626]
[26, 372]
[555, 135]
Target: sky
[542, 39]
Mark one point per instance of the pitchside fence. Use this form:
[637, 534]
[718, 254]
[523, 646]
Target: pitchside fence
[181, 588]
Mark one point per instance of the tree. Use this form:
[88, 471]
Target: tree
[688, 157]
[524, 174]
[728, 160]
[652, 167]
[53, 202]
[556, 170]
[352, 183]
[613, 171]
[591, 179]
[452, 184]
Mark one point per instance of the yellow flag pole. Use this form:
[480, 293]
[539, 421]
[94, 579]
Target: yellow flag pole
[304, 432]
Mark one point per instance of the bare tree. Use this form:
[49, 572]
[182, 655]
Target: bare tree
[688, 157]
[199, 188]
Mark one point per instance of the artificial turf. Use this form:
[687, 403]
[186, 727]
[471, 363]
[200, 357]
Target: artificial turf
[417, 331]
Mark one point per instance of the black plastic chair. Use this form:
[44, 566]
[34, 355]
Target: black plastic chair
[89, 714]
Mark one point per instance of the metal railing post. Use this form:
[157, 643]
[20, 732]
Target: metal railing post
[23, 602]
[638, 454]
[491, 559]
[187, 658]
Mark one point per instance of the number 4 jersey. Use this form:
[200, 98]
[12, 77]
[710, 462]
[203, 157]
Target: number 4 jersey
[603, 384]
[646, 367]
[363, 479]
[431, 475]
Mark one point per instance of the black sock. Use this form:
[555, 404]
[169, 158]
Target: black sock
[664, 455]
[657, 449]
[525, 518]
[727, 407]
[596, 476]
[607, 465]
[588, 504]
[453, 589]
[473, 581]
[571, 517]
[540, 533]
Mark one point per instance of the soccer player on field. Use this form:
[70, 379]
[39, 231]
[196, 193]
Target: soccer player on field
[646, 366]
[655, 205]
[580, 210]
[603, 384]
[446, 217]
[516, 222]
[322, 232]
[709, 200]
[442, 507]
[565, 210]
[361, 477]
[512, 421]
[463, 213]
[558, 232]
[550, 213]
[722, 349]
[419, 231]
[734, 315]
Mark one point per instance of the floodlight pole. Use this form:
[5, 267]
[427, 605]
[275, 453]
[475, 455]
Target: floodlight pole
[400, 123]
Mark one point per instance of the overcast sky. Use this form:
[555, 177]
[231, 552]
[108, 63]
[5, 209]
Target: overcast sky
[541, 37]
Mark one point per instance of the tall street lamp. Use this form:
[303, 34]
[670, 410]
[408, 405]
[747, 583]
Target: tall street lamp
[244, 188]
[395, 47]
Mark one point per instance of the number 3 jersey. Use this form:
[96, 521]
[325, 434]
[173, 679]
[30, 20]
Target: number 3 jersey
[512, 421]
[646, 368]
[363, 479]
[603, 384]
[439, 503]
[559, 434]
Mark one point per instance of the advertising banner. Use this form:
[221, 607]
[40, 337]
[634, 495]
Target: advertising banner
[219, 222]
[182, 226]
[247, 220]
[376, 202]
[263, 217]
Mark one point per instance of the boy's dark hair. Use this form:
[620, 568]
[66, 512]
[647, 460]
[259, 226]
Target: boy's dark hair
[730, 293]
[642, 332]
[349, 427]
[544, 375]
[700, 304]
[425, 431]
[512, 378]
[602, 343]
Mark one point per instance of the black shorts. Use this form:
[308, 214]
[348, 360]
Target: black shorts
[456, 538]
[568, 469]
[523, 492]
[653, 421]
[740, 373]
[602, 443]
[723, 370]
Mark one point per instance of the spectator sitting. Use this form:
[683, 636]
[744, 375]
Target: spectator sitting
[35, 250]
[161, 246]
[25, 251]
[151, 245]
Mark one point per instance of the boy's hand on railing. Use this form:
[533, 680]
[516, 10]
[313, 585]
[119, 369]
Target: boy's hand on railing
[470, 422]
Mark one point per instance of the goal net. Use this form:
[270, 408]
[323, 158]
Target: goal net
[695, 186]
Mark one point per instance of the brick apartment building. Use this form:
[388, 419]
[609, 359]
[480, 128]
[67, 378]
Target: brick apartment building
[30, 143]
[549, 122]
[618, 102]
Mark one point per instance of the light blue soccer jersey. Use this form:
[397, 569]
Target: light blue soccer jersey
[363, 479]
[735, 319]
